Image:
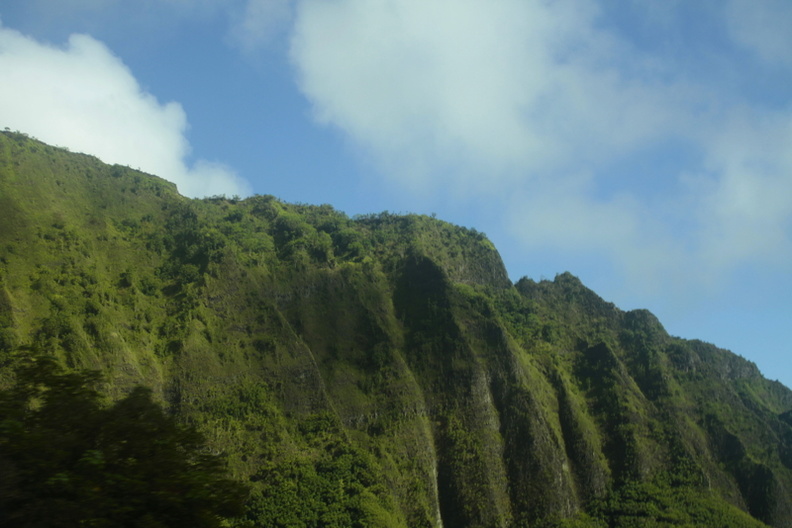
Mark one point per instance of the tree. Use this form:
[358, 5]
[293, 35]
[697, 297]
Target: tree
[68, 460]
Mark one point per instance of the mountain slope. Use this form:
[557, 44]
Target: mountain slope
[381, 370]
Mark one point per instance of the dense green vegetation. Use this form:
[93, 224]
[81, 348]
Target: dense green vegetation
[380, 370]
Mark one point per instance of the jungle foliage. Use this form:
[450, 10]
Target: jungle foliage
[379, 370]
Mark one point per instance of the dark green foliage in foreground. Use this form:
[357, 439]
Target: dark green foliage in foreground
[373, 371]
[67, 460]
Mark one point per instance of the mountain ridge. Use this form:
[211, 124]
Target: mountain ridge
[381, 370]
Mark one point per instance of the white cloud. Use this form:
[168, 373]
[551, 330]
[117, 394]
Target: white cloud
[83, 97]
[513, 101]
[505, 87]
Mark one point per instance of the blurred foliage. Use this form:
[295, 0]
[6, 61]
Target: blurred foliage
[68, 460]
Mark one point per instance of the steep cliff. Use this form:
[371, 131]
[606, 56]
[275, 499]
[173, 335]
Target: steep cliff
[381, 370]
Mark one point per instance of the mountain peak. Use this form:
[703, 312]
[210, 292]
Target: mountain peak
[380, 370]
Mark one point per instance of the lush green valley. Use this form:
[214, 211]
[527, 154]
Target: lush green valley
[379, 370]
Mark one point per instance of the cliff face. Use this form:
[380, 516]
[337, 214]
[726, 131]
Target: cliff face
[383, 370]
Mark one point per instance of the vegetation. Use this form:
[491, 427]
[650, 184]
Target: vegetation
[67, 460]
[378, 370]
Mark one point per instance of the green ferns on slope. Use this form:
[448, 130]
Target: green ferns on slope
[381, 370]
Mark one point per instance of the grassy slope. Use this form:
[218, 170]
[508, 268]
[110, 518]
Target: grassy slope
[381, 371]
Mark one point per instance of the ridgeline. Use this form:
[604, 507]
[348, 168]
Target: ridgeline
[380, 370]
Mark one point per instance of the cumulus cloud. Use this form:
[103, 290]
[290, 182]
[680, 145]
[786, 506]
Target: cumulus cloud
[83, 97]
[506, 87]
[542, 105]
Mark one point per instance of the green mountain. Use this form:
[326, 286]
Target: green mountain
[380, 370]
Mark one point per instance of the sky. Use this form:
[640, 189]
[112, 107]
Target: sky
[646, 147]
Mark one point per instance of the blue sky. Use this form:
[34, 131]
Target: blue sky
[644, 146]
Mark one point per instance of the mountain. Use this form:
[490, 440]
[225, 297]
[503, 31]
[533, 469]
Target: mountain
[380, 370]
